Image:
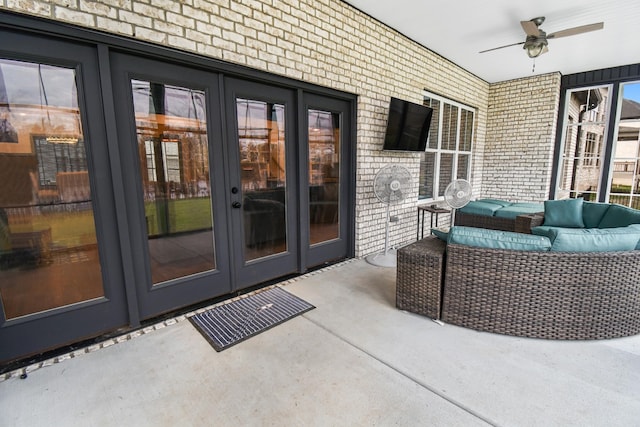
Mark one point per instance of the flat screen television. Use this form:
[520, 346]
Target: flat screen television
[407, 126]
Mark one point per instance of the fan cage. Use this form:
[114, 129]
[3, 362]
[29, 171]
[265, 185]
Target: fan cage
[392, 183]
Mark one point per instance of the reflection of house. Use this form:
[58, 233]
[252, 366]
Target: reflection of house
[626, 167]
[586, 171]
[174, 159]
[583, 142]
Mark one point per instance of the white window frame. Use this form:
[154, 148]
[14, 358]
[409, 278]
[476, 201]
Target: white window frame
[439, 151]
[593, 117]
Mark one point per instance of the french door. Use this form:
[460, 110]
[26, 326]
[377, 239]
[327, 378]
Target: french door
[132, 186]
[263, 181]
[170, 141]
[210, 211]
[325, 160]
[60, 265]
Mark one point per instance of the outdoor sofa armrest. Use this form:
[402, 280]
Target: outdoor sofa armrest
[524, 223]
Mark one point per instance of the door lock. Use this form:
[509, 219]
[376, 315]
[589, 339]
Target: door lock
[236, 205]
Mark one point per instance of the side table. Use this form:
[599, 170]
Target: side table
[419, 277]
[433, 210]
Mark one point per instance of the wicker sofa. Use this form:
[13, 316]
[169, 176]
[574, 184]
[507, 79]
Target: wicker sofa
[495, 214]
[553, 295]
[532, 293]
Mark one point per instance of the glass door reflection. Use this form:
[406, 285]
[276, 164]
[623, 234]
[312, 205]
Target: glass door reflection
[324, 175]
[48, 244]
[625, 179]
[261, 143]
[174, 171]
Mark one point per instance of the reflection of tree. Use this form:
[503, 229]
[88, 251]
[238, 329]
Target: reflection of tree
[173, 149]
[261, 143]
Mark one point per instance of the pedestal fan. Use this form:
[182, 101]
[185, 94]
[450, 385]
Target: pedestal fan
[457, 195]
[390, 185]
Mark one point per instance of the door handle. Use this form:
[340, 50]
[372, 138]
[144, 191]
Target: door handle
[236, 205]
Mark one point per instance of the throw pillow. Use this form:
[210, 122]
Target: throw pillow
[563, 213]
[592, 213]
[619, 216]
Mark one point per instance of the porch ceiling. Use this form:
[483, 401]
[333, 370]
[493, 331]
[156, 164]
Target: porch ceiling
[459, 30]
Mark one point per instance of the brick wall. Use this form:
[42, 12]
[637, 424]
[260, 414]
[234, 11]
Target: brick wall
[520, 138]
[325, 42]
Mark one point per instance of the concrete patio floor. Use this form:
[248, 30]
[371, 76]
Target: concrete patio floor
[355, 360]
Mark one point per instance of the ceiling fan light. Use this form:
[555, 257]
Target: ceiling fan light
[534, 50]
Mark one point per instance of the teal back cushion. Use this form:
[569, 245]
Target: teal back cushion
[563, 213]
[595, 239]
[477, 207]
[495, 239]
[619, 216]
[592, 213]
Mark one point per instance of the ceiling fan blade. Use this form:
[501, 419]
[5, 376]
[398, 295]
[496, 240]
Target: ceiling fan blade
[501, 47]
[530, 28]
[576, 30]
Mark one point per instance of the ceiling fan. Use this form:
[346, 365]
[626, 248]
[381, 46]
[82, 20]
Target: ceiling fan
[537, 40]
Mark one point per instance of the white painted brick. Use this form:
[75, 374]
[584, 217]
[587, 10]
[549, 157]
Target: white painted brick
[114, 26]
[98, 8]
[74, 16]
[41, 8]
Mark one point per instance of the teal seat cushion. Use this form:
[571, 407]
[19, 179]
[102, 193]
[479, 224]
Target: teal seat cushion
[480, 208]
[515, 210]
[592, 213]
[619, 216]
[440, 234]
[594, 239]
[563, 213]
[495, 239]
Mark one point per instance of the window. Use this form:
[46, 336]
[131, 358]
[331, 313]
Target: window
[582, 172]
[581, 166]
[448, 153]
[58, 154]
[625, 177]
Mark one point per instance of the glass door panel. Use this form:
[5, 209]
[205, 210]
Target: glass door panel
[625, 182]
[326, 159]
[263, 172]
[48, 243]
[171, 129]
[263, 205]
[583, 144]
[324, 175]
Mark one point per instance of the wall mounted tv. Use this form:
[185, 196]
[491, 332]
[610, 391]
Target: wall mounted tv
[407, 127]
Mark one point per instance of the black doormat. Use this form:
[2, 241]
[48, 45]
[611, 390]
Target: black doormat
[229, 324]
